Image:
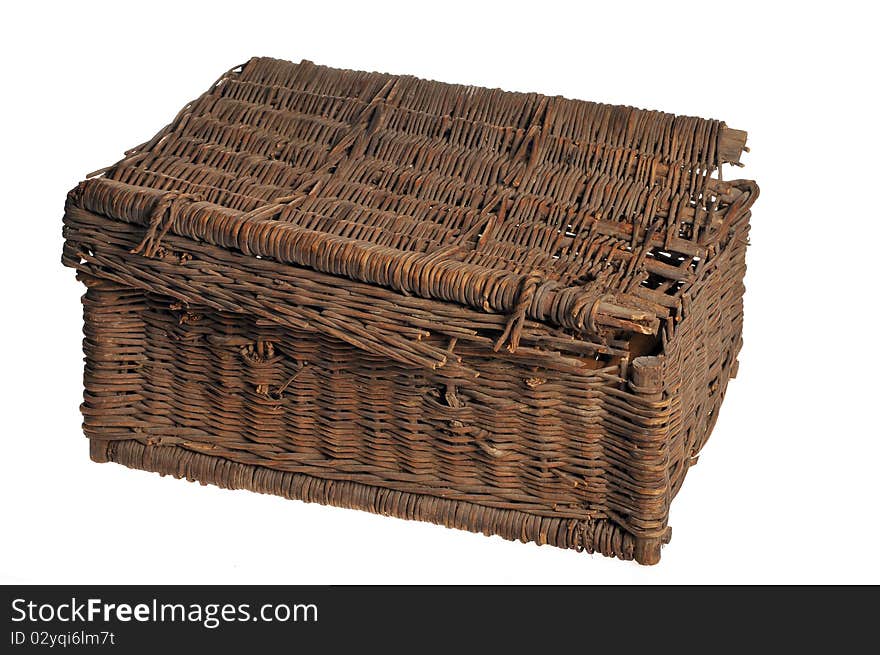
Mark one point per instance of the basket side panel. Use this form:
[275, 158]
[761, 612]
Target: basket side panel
[304, 402]
[702, 355]
[115, 352]
[217, 397]
[570, 451]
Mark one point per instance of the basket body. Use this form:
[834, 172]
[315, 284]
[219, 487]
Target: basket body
[225, 364]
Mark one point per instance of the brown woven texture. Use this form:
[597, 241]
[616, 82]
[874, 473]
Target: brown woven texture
[501, 312]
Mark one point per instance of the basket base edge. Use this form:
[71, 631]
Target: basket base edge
[592, 536]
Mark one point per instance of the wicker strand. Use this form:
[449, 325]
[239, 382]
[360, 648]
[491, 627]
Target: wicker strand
[513, 327]
[164, 213]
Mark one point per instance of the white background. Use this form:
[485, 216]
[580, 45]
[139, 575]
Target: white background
[785, 491]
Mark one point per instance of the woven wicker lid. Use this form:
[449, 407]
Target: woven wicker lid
[583, 216]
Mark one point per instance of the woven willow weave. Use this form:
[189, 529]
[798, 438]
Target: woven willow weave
[501, 312]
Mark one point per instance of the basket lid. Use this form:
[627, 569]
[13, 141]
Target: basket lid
[583, 216]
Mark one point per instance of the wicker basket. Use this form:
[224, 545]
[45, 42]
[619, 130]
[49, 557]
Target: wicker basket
[500, 312]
